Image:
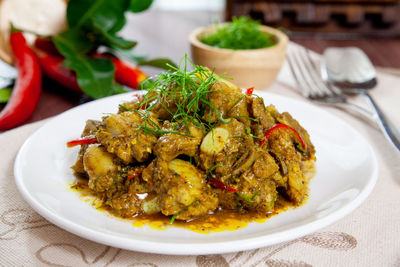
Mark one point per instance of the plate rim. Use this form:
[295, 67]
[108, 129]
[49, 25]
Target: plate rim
[185, 248]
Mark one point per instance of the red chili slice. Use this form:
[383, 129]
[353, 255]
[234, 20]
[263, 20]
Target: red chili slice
[221, 185]
[140, 97]
[136, 174]
[86, 140]
[249, 91]
[283, 126]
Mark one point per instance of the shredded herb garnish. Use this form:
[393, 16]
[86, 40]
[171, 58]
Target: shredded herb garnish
[184, 92]
[124, 108]
[214, 167]
[248, 199]
[179, 212]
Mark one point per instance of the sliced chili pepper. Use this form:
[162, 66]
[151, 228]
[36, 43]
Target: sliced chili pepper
[86, 140]
[283, 126]
[125, 73]
[249, 91]
[53, 68]
[140, 97]
[221, 185]
[47, 45]
[136, 174]
[28, 86]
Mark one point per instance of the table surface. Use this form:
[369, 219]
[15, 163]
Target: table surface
[165, 33]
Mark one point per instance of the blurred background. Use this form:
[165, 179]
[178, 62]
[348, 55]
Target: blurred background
[163, 30]
[372, 25]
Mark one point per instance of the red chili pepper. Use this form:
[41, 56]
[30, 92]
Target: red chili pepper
[53, 68]
[86, 140]
[221, 185]
[136, 174]
[140, 97]
[125, 73]
[249, 91]
[283, 126]
[47, 45]
[28, 86]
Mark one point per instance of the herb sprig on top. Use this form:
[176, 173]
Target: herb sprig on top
[184, 92]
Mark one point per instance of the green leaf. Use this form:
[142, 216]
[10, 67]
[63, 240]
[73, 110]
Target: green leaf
[5, 94]
[127, 54]
[108, 14]
[137, 6]
[162, 63]
[75, 38]
[110, 39]
[95, 75]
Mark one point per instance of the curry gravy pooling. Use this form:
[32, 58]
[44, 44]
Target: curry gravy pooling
[218, 221]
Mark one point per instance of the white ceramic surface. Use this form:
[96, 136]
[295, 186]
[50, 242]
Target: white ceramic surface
[346, 173]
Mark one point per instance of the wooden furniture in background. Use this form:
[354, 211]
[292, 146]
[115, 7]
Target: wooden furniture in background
[332, 18]
[153, 30]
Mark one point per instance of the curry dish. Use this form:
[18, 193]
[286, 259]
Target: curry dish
[193, 146]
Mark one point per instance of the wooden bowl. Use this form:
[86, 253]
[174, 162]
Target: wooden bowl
[249, 68]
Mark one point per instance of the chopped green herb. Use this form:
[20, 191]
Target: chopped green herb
[254, 196]
[124, 108]
[241, 33]
[179, 212]
[210, 170]
[188, 87]
[250, 200]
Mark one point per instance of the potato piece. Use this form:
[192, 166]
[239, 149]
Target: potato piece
[182, 189]
[98, 162]
[187, 171]
[214, 141]
[151, 206]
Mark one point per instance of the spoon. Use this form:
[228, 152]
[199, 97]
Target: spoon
[351, 70]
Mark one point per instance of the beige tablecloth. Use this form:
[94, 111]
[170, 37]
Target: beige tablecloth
[369, 236]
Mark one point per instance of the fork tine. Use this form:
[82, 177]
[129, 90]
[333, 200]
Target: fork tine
[303, 74]
[308, 77]
[313, 87]
[313, 73]
[326, 87]
[294, 68]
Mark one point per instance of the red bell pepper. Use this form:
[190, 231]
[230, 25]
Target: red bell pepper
[28, 86]
[283, 126]
[86, 140]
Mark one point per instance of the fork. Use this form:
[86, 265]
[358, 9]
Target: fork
[307, 75]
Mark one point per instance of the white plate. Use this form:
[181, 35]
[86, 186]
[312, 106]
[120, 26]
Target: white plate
[346, 173]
